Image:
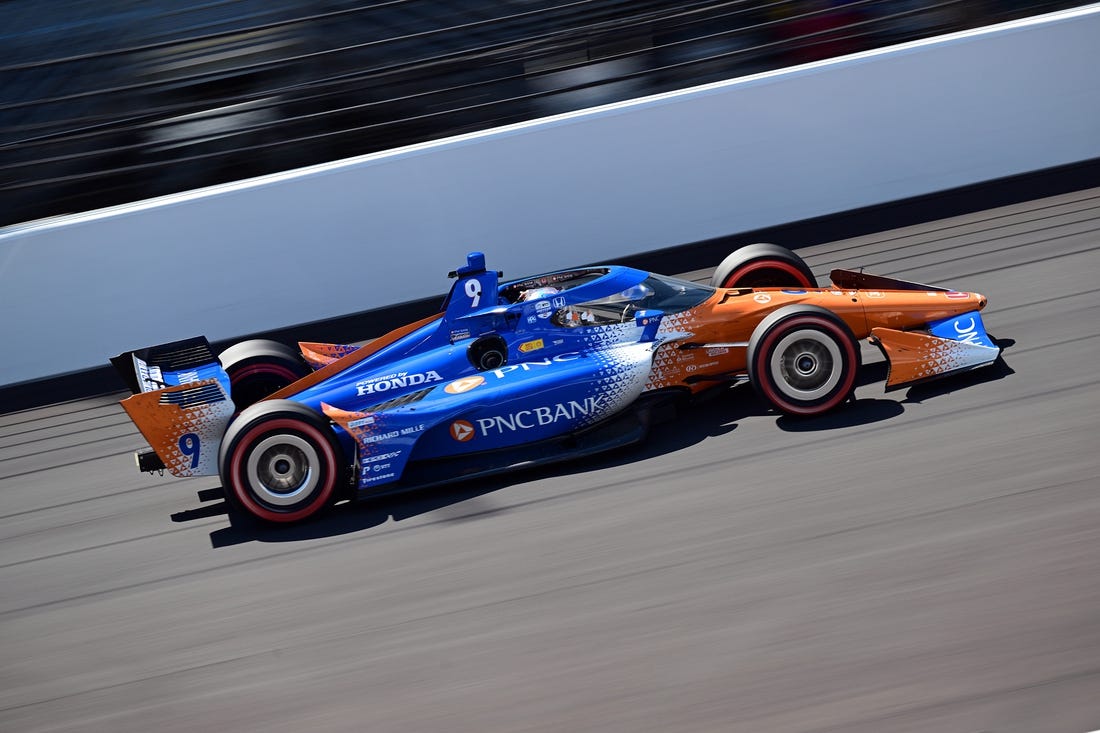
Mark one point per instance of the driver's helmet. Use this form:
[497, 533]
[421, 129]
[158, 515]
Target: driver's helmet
[537, 293]
[636, 292]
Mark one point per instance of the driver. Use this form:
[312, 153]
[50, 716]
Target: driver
[537, 293]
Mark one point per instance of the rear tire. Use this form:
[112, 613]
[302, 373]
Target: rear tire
[803, 360]
[280, 462]
[763, 266]
[258, 368]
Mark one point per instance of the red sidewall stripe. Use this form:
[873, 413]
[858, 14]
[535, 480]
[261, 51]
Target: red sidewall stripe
[764, 357]
[750, 267]
[276, 369]
[320, 497]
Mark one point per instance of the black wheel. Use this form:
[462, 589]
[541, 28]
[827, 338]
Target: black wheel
[763, 266]
[488, 352]
[280, 462]
[258, 368]
[803, 360]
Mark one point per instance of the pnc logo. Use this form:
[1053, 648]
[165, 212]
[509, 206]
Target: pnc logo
[462, 431]
[464, 385]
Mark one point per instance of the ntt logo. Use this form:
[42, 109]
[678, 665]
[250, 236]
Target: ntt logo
[462, 431]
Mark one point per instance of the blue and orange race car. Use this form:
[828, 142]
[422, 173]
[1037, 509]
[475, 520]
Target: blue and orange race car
[530, 371]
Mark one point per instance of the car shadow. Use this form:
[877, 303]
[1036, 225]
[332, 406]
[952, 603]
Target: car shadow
[716, 415]
[466, 500]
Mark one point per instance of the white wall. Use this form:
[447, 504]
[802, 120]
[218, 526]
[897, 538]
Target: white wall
[612, 181]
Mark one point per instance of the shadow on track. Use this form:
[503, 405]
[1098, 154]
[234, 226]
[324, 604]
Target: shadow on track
[466, 501]
[715, 415]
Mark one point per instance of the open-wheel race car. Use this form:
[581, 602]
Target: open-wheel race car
[525, 372]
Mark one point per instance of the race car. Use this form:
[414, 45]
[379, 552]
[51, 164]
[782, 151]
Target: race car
[531, 371]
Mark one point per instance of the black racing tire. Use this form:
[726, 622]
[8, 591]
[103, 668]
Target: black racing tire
[763, 266]
[280, 462]
[803, 360]
[259, 368]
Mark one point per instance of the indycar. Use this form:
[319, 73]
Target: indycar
[511, 374]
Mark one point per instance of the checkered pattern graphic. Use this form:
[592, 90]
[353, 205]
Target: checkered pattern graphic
[620, 376]
[670, 363]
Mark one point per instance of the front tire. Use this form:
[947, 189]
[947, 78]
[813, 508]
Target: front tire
[803, 360]
[763, 266]
[280, 462]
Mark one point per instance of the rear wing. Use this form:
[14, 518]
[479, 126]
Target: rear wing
[169, 365]
[181, 403]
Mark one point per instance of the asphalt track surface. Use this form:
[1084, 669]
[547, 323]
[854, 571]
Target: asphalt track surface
[924, 560]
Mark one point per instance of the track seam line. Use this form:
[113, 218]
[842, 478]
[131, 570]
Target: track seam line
[52, 427]
[1029, 243]
[846, 436]
[32, 441]
[959, 225]
[984, 231]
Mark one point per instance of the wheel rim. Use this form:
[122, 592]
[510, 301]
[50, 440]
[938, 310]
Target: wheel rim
[282, 469]
[805, 365]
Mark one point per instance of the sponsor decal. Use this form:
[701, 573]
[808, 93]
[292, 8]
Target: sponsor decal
[380, 457]
[532, 319]
[762, 298]
[836, 292]
[559, 302]
[150, 377]
[464, 385]
[795, 292]
[379, 437]
[527, 366]
[462, 431]
[718, 351]
[967, 330]
[527, 346]
[696, 367]
[460, 334]
[380, 466]
[931, 294]
[536, 417]
[399, 380]
[543, 309]
[875, 294]
[368, 420]
[957, 296]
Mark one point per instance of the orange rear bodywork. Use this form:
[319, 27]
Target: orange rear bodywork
[186, 437]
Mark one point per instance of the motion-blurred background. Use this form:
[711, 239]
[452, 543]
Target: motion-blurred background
[108, 101]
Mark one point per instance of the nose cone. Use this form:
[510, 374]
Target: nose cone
[966, 301]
